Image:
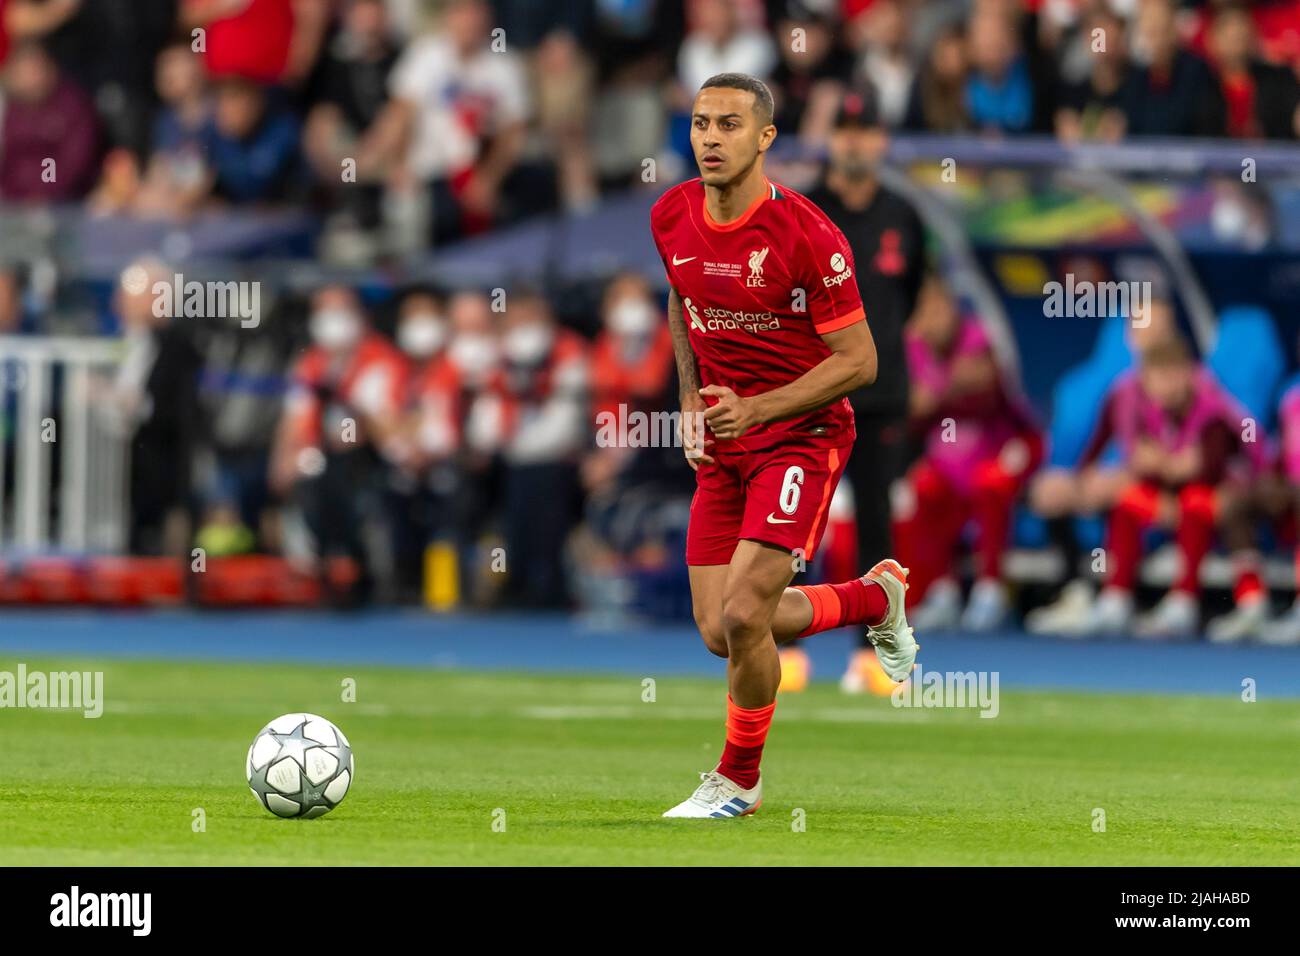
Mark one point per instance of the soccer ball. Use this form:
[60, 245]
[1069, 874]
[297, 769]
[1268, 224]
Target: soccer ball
[300, 765]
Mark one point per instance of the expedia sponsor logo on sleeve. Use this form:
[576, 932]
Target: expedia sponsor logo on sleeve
[842, 271]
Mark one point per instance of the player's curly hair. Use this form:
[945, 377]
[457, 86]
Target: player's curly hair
[764, 108]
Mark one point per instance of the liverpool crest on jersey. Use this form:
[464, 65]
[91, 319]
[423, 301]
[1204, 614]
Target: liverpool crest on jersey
[756, 267]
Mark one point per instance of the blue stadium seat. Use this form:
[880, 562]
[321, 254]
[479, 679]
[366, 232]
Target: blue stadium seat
[1077, 397]
[1076, 400]
[1249, 360]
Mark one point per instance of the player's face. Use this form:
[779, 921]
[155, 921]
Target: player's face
[726, 135]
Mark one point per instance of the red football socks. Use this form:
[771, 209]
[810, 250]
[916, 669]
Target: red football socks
[835, 605]
[746, 732]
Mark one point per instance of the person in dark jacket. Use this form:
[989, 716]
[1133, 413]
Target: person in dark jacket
[154, 400]
[1168, 91]
[887, 239]
[1262, 100]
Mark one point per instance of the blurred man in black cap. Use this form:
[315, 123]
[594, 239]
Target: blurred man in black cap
[887, 239]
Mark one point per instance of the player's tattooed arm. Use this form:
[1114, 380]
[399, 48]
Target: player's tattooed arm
[851, 365]
[688, 372]
[688, 377]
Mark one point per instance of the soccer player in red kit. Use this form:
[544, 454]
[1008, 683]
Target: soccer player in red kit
[769, 335]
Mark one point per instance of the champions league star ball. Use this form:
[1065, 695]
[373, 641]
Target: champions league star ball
[300, 765]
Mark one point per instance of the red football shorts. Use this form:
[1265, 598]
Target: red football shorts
[778, 496]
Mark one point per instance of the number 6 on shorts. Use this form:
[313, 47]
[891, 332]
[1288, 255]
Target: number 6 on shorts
[791, 489]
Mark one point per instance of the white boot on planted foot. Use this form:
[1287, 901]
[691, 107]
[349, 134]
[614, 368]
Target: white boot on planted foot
[719, 798]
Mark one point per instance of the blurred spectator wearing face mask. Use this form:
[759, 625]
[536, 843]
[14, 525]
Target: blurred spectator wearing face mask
[422, 334]
[1263, 100]
[420, 449]
[154, 400]
[631, 370]
[634, 496]
[460, 413]
[475, 348]
[539, 400]
[345, 399]
[47, 119]
[632, 359]
[1168, 91]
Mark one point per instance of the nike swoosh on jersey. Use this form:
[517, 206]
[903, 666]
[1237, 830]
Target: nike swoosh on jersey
[678, 262]
[773, 519]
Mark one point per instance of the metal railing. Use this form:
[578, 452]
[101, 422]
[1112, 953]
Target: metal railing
[48, 409]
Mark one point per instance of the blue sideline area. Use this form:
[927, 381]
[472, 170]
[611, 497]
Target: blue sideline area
[562, 644]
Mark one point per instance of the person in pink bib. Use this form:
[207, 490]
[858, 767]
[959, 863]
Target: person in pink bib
[980, 446]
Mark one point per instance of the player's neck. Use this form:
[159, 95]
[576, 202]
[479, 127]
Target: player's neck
[730, 202]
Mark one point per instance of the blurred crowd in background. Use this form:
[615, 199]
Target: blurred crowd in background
[454, 116]
[371, 429]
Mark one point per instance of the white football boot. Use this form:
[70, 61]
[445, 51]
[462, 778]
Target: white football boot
[895, 646]
[987, 609]
[1068, 615]
[940, 609]
[1244, 621]
[1285, 631]
[1176, 615]
[719, 798]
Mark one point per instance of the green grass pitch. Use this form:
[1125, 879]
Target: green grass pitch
[582, 768]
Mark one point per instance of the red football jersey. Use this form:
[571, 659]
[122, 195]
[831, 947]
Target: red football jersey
[757, 295]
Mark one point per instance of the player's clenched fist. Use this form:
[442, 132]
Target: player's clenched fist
[731, 416]
[691, 427]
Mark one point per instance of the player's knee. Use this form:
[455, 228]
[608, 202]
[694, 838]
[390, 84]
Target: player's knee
[715, 639]
[742, 620]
